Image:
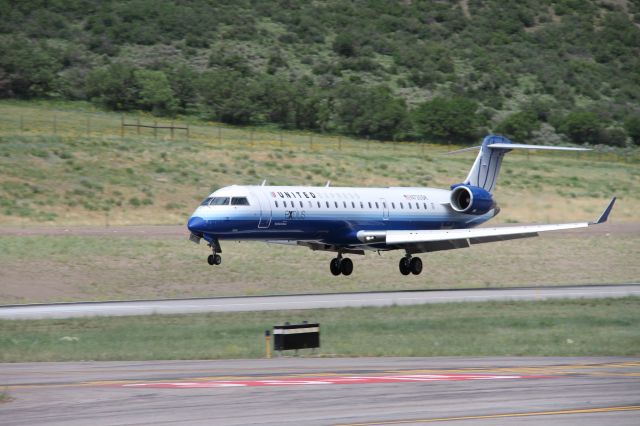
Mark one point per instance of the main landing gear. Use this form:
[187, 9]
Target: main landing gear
[340, 265]
[410, 265]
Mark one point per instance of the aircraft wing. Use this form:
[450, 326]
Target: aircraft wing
[446, 239]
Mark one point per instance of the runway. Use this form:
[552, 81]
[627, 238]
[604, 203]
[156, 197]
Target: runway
[317, 391]
[312, 301]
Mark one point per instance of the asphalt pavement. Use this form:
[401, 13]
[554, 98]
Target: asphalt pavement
[311, 301]
[323, 391]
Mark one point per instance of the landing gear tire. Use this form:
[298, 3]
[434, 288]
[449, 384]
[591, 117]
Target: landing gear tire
[404, 265]
[346, 266]
[335, 266]
[214, 259]
[415, 265]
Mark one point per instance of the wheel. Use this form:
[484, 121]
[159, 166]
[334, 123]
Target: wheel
[404, 266]
[211, 260]
[335, 266]
[415, 265]
[217, 259]
[346, 266]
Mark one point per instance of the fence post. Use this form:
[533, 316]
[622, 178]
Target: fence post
[21, 123]
[219, 135]
[187, 132]
[171, 129]
[155, 129]
[251, 138]
[281, 140]
[122, 126]
[138, 125]
[88, 125]
[55, 124]
[339, 142]
[311, 141]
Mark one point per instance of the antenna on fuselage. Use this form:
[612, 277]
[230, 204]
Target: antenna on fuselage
[328, 183]
[264, 182]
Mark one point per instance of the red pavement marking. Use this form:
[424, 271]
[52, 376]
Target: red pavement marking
[340, 380]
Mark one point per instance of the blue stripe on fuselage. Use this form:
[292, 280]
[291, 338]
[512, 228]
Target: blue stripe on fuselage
[331, 231]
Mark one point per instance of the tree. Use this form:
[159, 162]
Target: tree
[155, 92]
[581, 127]
[452, 120]
[632, 126]
[114, 85]
[27, 69]
[229, 97]
[371, 112]
[519, 126]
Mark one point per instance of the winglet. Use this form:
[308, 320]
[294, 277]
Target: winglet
[605, 214]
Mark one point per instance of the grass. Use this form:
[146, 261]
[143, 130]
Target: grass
[5, 396]
[72, 268]
[67, 164]
[544, 328]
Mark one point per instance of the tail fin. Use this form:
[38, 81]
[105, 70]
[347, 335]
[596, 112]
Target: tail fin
[485, 170]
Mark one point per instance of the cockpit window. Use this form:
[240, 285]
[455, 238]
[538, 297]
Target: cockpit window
[220, 201]
[206, 201]
[239, 201]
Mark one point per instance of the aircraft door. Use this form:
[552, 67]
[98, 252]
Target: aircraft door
[385, 209]
[265, 208]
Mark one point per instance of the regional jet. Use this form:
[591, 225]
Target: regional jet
[352, 221]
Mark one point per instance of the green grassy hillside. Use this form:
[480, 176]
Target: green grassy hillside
[534, 70]
[63, 164]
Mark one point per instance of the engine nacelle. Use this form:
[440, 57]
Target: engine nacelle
[471, 199]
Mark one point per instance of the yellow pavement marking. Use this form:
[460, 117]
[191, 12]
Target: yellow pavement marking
[497, 416]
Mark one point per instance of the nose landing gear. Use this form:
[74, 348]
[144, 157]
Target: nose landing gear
[340, 265]
[215, 258]
[410, 265]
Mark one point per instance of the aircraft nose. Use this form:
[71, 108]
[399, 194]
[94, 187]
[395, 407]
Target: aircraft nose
[196, 224]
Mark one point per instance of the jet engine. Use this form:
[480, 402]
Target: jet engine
[471, 199]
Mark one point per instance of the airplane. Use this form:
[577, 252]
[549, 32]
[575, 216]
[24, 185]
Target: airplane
[354, 220]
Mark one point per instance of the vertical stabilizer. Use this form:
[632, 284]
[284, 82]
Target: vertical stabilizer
[485, 170]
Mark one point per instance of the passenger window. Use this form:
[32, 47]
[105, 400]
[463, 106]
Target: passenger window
[377, 206]
[327, 204]
[345, 204]
[336, 203]
[417, 206]
[300, 203]
[276, 204]
[401, 206]
[361, 205]
[239, 201]
[353, 205]
[393, 205]
[384, 204]
[206, 201]
[318, 204]
[424, 205]
[220, 201]
[409, 204]
[370, 204]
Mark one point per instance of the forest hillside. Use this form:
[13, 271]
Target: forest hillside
[543, 71]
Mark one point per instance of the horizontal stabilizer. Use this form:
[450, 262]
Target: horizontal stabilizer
[525, 146]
